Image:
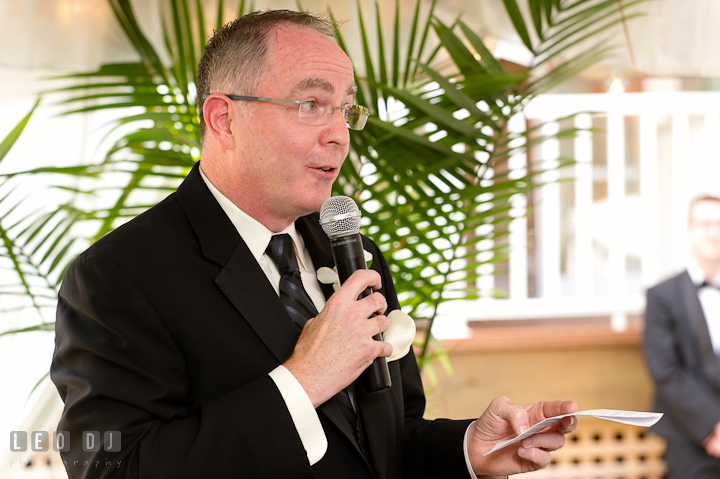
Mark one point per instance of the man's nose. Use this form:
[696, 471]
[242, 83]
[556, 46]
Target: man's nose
[338, 130]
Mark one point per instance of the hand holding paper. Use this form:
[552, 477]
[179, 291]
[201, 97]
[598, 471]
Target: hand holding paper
[506, 424]
[503, 421]
[644, 419]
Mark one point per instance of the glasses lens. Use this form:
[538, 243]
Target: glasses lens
[309, 110]
[316, 113]
[357, 116]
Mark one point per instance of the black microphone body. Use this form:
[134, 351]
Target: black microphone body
[349, 257]
[340, 219]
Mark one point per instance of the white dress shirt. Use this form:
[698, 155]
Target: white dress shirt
[257, 238]
[709, 300]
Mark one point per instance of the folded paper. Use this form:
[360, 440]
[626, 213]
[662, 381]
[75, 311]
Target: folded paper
[634, 418]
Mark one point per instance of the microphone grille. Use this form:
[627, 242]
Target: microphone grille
[340, 215]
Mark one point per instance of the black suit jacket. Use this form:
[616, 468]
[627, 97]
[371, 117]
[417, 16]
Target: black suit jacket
[166, 331]
[686, 371]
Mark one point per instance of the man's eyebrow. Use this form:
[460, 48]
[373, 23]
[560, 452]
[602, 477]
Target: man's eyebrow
[321, 84]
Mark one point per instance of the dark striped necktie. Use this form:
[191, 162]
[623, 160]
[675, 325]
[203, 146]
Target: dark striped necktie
[292, 293]
[297, 302]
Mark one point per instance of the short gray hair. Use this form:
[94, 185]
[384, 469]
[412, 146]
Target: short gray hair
[235, 55]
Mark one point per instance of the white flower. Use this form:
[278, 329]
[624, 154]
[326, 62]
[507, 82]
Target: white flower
[368, 257]
[329, 276]
[400, 334]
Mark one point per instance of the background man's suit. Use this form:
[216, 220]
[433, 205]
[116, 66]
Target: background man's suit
[686, 371]
[166, 331]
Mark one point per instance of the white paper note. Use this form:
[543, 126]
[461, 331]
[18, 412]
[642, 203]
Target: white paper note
[634, 418]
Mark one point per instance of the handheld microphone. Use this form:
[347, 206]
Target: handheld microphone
[340, 219]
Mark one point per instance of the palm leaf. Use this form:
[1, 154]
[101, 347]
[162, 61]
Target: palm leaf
[15, 133]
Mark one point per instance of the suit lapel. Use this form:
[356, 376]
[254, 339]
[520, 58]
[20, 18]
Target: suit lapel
[370, 406]
[242, 282]
[699, 328]
[220, 242]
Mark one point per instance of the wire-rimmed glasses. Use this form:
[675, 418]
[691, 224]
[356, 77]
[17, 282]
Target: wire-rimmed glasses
[317, 113]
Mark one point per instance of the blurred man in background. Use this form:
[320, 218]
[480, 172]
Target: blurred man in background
[682, 349]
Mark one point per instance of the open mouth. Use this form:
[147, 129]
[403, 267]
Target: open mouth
[326, 169]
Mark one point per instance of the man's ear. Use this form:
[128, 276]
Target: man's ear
[218, 116]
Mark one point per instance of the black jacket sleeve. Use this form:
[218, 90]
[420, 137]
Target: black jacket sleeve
[117, 368]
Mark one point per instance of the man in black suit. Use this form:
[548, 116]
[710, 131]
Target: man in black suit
[682, 349]
[170, 330]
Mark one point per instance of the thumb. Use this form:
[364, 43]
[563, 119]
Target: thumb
[516, 415]
[520, 425]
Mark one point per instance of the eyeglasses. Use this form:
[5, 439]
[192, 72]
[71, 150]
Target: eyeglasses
[704, 224]
[317, 113]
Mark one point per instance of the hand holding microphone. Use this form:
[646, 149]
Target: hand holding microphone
[340, 343]
[340, 219]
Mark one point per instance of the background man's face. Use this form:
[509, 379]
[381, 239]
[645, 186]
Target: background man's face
[704, 230]
[293, 165]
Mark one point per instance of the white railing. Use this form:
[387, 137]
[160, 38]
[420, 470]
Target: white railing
[677, 159]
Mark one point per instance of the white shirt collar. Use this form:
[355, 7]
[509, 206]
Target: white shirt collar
[254, 233]
[697, 275]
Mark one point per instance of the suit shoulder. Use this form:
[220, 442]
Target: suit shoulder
[150, 229]
[668, 284]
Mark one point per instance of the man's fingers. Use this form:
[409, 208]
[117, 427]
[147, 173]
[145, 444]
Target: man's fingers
[386, 349]
[556, 408]
[712, 445]
[359, 281]
[536, 449]
[547, 441]
[521, 418]
[383, 323]
[374, 304]
[567, 425]
[537, 457]
[516, 415]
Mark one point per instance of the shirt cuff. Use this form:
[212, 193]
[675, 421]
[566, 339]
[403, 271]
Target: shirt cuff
[302, 413]
[465, 451]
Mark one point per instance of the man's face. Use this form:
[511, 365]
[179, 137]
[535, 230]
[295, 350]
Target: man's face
[288, 167]
[704, 230]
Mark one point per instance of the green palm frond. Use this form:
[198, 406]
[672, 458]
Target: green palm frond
[19, 247]
[434, 171]
[15, 133]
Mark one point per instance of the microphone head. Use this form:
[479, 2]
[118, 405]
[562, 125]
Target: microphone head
[340, 216]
